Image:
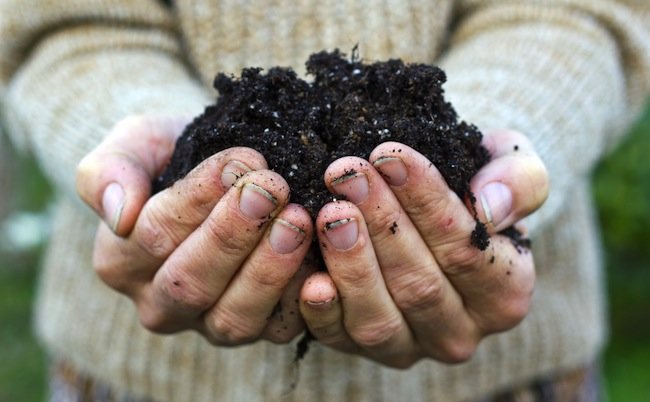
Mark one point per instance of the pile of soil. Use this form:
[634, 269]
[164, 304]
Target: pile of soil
[347, 109]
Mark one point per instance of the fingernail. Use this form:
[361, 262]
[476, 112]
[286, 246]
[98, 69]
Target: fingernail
[321, 305]
[392, 169]
[496, 200]
[255, 202]
[233, 171]
[285, 237]
[342, 233]
[354, 186]
[113, 205]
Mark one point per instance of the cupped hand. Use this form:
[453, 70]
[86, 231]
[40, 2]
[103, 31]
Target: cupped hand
[403, 281]
[219, 252]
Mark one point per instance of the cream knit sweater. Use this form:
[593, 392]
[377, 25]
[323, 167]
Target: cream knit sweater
[571, 74]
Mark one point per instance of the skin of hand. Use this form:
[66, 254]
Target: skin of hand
[403, 281]
[219, 252]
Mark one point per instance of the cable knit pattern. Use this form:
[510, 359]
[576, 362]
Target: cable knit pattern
[570, 74]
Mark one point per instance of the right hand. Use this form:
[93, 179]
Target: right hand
[219, 252]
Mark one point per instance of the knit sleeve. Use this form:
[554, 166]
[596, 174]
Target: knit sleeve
[571, 75]
[70, 70]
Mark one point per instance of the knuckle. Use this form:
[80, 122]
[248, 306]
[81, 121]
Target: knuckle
[154, 320]
[431, 205]
[109, 271]
[456, 351]
[267, 275]
[185, 293]
[376, 334]
[356, 278]
[511, 306]
[413, 294]
[229, 241]
[231, 329]
[454, 257]
[509, 314]
[201, 189]
[428, 202]
[108, 274]
[382, 224]
[154, 235]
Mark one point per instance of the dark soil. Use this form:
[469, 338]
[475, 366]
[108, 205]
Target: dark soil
[348, 109]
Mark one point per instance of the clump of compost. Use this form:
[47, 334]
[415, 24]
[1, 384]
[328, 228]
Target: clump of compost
[347, 109]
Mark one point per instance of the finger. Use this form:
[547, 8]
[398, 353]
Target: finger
[513, 184]
[371, 318]
[196, 274]
[321, 308]
[498, 289]
[445, 224]
[168, 218]
[245, 308]
[115, 178]
[286, 321]
[440, 216]
[290, 300]
[428, 301]
[177, 211]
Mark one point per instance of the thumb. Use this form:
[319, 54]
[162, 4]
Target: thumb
[115, 178]
[513, 184]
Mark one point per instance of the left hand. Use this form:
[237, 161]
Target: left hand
[403, 281]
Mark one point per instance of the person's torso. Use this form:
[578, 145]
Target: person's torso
[227, 35]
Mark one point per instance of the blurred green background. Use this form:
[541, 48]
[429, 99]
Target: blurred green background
[621, 188]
